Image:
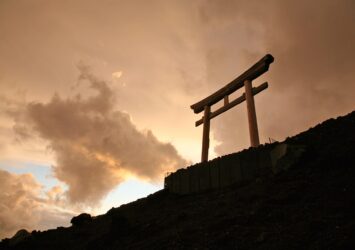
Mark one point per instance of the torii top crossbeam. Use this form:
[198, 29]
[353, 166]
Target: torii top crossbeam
[245, 80]
[256, 70]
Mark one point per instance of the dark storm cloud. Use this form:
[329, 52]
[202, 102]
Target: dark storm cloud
[95, 146]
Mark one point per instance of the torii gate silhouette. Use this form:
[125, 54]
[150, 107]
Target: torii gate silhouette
[245, 80]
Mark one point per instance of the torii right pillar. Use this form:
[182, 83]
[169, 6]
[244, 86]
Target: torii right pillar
[253, 125]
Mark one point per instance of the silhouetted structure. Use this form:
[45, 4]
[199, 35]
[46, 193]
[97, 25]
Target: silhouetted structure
[245, 80]
[235, 168]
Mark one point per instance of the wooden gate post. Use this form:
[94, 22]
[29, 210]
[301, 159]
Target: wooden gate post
[245, 80]
[253, 125]
[206, 133]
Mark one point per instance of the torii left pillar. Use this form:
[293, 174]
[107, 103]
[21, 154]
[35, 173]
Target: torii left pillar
[206, 133]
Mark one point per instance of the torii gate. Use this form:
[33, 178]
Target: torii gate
[245, 80]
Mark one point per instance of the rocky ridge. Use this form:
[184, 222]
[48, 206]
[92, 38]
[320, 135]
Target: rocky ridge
[308, 206]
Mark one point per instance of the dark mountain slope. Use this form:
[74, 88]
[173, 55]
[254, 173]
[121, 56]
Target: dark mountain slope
[309, 206]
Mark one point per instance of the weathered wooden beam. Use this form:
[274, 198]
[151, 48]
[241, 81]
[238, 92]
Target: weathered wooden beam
[206, 134]
[253, 72]
[233, 103]
[253, 125]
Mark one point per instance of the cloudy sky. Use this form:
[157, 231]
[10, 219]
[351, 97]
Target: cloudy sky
[95, 94]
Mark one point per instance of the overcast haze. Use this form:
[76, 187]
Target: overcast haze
[97, 92]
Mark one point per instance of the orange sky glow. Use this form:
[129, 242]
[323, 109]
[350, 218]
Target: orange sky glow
[94, 94]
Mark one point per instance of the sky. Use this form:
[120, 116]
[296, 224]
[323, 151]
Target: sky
[95, 95]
